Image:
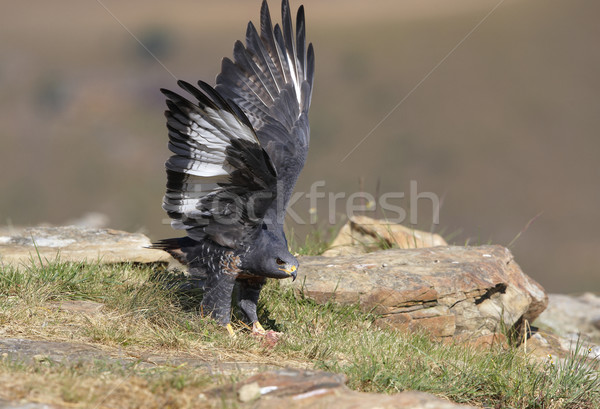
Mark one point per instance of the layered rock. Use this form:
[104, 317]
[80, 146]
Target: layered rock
[448, 291]
[71, 243]
[363, 234]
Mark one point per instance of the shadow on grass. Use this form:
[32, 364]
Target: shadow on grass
[188, 292]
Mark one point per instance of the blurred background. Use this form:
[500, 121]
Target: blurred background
[504, 129]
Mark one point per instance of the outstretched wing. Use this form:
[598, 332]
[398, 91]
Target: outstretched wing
[271, 80]
[220, 180]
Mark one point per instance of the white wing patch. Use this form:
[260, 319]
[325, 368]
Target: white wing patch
[199, 136]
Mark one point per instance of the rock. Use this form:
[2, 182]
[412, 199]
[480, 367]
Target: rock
[553, 348]
[21, 247]
[295, 389]
[570, 316]
[448, 291]
[30, 350]
[275, 388]
[546, 346]
[27, 405]
[363, 234]
[483, 341]
[40, 351]
[249, 392]
[567, 326]
[27, 350]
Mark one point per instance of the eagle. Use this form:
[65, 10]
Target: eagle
[238, 148]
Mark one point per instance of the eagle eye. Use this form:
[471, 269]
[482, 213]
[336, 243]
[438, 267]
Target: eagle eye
[279, 261]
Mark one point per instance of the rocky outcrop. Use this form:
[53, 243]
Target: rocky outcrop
[70, 243]
[363, 234]
[294, 389]
[448, 291]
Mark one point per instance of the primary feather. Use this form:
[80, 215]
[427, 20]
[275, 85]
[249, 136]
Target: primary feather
[271, 79]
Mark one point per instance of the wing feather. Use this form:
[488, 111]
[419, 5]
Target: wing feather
[258, 53]
[217, 168]
[247, 136]
[301, 42]
[290, 47]
[271, 79]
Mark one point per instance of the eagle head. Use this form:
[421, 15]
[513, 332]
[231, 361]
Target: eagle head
[268, 256]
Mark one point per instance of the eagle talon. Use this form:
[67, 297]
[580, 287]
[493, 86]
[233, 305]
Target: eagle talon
[230, 330]
[258, 329]
[269, 338]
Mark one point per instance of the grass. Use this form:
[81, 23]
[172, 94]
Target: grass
[141, 317]
[102, 383]
[315, 242]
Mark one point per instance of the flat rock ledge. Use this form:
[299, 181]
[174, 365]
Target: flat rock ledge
[449, 291]
[294, 389]
[20, 247]
[4, 404]
[28, 351]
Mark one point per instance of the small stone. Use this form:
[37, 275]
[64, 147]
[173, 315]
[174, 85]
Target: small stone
[249, 392]
[39, 358]
[540, 339]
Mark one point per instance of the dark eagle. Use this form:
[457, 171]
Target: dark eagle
[238, 149]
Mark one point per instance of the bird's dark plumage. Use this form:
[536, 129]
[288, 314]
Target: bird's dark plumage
[238, 149]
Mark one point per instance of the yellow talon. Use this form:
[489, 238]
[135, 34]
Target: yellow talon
[256, 327]
[230, 330]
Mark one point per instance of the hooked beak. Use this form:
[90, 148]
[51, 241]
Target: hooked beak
[290, 270]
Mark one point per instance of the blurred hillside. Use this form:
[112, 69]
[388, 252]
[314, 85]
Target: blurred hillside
[505, 128]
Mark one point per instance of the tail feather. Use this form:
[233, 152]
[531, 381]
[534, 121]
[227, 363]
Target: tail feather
[175, 247]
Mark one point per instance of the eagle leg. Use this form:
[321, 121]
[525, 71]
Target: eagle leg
[216, 301]
[249, 291]
[248, 294]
